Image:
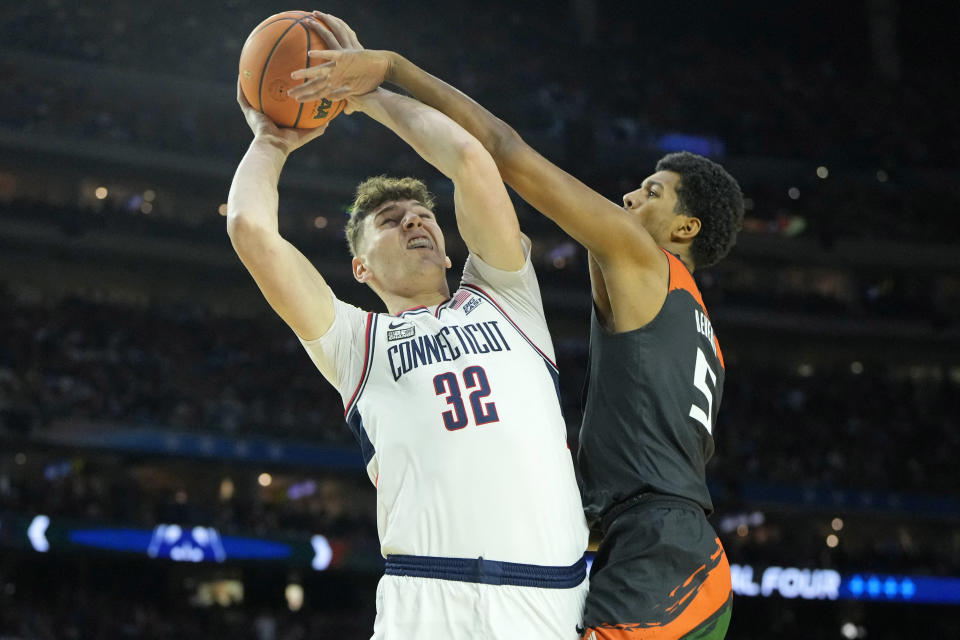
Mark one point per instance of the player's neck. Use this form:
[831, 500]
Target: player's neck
[398, 303]
[682, 251]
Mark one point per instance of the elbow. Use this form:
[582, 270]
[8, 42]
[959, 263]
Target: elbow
[237, 224]
[472, 156]
[470, 150]
[499, 138]
[509, 149]
[506, 142]
[246, 235]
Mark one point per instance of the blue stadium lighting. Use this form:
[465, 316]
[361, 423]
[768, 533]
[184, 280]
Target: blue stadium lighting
[181, 545]
[910, 589]
[891, 587]
[704, 145]
[856, 585]
[36, 533]
[901, 588]
[907, 588]
[323, 553]
[253, 549]
[133, 540]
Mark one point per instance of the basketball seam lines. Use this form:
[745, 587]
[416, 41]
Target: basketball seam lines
[262, 27]
[266, 62]
[307, 30]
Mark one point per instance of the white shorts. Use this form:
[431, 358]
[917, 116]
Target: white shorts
[416, 608]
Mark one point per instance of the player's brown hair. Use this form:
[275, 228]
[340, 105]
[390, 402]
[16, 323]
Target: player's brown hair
[373, 192]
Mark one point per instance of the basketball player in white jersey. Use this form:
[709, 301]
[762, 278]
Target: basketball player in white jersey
[453, 398]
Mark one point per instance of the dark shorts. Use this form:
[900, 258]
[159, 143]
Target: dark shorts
[660, 573]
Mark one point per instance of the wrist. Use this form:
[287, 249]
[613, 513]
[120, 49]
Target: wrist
[363, 101]
[267, 141]
[272, 147]
[393, 60]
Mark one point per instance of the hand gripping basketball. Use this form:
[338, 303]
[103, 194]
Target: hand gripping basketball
[264, 129]
[274, 49]
[347, 68]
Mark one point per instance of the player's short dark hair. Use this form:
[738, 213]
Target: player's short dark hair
[373, 192]
[711, 194]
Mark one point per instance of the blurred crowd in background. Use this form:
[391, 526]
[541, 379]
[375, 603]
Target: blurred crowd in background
[160, 77]
[183, 369]
[844, 91]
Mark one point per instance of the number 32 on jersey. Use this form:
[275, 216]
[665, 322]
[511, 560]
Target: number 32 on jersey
[475, 381]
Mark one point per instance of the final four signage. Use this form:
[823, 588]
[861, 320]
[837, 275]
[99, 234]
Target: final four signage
[789, 582]
[827, 584]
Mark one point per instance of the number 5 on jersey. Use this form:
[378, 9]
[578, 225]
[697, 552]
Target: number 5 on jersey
[700, 374]
[473, 378]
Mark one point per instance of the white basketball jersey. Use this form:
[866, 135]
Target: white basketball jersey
[457, 413]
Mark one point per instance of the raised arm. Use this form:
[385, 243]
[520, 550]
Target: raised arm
[594, 221]
[485, 214]
[289, 282]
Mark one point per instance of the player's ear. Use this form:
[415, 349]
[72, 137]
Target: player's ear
[686, 228]
[360, 271]
[446, 261]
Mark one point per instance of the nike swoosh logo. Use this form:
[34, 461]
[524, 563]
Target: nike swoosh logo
[396, 325]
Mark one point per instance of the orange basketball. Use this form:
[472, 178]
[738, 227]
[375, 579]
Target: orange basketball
[276, 48]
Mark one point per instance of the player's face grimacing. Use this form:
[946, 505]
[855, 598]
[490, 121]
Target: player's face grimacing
[403, 243]
[655, 204]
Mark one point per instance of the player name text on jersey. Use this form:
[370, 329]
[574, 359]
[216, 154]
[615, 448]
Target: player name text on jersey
[705, 328]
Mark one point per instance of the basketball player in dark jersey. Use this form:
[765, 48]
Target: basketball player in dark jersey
[655, 372]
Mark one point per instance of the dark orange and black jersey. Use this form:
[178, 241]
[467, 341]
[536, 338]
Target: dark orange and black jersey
[652, 399]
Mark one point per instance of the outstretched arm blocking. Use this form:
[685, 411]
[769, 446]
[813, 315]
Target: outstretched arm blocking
[594, 221]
